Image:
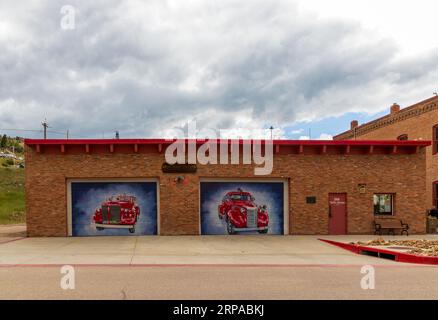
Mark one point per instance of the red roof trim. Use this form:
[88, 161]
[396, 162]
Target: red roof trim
[419, 143]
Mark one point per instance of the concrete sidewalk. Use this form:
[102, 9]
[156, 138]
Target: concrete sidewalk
[152, 250]
[12, 230]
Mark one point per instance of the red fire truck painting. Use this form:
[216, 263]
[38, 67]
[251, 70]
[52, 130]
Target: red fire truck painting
[241, 213]
[118, 212]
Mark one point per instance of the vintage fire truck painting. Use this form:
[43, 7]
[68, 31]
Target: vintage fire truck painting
[233, 207]
[241, 213]
[118, 212]
[113, 208]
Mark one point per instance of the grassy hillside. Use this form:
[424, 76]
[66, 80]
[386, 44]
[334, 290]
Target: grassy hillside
[11, 195]
[14, 144]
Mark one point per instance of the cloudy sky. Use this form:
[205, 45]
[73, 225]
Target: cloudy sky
[143, 67]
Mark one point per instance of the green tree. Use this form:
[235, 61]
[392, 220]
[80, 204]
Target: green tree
[4, 141]
[19, 149]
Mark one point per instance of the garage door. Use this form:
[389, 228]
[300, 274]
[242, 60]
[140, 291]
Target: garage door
[113, 208]
[242, 207]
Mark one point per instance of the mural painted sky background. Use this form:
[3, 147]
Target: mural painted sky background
[144, 67]
[87, 197]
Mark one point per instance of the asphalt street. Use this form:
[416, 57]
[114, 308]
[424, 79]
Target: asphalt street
[220, 282]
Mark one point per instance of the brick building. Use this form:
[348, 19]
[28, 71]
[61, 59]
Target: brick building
[87, 187]
[417, 122]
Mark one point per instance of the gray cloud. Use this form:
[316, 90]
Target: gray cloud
[144, 67]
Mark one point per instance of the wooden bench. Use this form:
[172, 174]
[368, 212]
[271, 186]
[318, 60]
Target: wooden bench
[390, 224]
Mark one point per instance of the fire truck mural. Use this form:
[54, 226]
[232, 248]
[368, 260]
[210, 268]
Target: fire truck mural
[114, 208]
[242, 208]
[118, 212]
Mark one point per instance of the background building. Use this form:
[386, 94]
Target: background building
[417, 122]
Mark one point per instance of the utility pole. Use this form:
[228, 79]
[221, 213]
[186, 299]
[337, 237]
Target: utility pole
[271, 128]
[45, 126]
[67, 133]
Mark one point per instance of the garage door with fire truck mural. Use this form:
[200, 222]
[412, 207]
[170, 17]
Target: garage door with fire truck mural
[242, 207]
[113, 208]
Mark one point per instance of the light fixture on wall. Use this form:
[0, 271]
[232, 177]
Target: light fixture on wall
[179, 179]
[362, 188]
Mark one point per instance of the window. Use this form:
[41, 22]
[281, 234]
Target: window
[384, 204]
[402, 137]
[435, 139]
[240, 197]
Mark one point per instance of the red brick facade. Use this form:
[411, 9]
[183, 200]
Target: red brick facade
[311, 169]
[417, 122]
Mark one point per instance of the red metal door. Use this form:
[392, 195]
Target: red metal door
[337, 213]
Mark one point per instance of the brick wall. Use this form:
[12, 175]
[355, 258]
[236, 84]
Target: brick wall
[307, 175]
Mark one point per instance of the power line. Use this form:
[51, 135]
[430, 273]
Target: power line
[21, 130]
[56, 132]
[66, 133]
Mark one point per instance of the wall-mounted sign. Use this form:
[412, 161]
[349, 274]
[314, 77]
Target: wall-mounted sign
[178, 168]
[311, 200]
